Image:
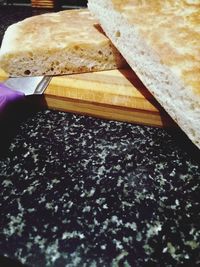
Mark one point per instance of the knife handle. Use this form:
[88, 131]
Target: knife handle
[8, 97]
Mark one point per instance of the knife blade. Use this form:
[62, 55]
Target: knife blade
[15, 89]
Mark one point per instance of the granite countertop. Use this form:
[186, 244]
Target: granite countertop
[80, 191]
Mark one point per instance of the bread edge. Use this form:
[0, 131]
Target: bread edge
[158, 78]
[72, 58]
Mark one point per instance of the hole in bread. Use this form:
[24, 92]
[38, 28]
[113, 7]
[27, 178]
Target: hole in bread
[27, 72]
[118, 34]
[52, 69]
[100, 52]
[76, 47]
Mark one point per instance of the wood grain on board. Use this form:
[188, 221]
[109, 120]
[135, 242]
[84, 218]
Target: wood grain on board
[114, 95]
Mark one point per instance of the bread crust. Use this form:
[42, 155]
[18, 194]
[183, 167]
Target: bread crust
[172, 30]
[57, 43]
[160, 40]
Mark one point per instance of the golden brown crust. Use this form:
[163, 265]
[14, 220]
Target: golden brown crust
[70, 35]
[55, 30]
[172, 29]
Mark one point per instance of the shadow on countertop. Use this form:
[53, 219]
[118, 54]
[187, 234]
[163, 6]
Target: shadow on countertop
[12, 118]
[7, 262]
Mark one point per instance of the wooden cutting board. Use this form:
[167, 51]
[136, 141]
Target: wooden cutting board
[114, 95]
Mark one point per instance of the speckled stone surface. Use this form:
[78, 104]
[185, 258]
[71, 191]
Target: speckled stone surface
[77, 191]
[80, 191]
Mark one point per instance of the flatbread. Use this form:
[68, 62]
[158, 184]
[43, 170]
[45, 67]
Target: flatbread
[160, 39]
[57, 43]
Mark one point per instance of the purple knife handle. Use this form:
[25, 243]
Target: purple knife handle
[8, 97]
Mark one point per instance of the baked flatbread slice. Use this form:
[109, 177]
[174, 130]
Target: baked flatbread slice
[161, 42]
[57, 43]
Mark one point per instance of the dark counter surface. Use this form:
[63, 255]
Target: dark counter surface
[80, 191]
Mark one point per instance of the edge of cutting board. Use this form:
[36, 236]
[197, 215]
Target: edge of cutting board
[113, 95]
[108, 112]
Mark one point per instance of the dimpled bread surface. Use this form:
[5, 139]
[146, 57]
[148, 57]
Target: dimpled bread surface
[172, 28]
[160, 39]
[57, 43]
